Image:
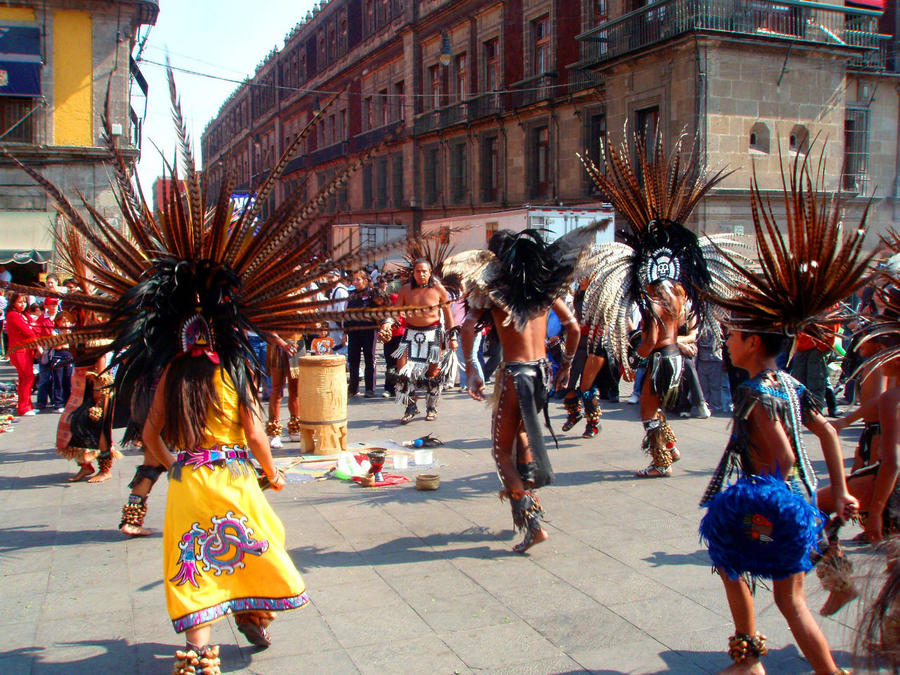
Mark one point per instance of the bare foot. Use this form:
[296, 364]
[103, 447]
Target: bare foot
[136, 530]
[750, 667]
[85, 471]
[531, 540]
[100, 477]
[836, 600]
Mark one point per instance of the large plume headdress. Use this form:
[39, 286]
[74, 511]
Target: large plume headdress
[521, 273]
[146, 286]
[656, 193]
[800, 280]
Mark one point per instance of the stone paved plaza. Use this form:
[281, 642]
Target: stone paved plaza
[401, 581]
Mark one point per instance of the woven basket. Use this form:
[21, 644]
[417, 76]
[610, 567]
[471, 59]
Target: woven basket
[428, 481]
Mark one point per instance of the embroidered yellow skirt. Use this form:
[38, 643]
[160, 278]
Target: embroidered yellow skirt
[224, 546]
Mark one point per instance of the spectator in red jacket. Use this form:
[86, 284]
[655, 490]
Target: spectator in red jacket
[19, 329]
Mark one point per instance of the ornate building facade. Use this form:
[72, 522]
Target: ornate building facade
[477, 106]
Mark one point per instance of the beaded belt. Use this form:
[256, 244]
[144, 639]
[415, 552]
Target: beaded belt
[210, 456]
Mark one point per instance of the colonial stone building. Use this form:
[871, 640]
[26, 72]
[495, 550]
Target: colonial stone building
[477, 106]
[58, 59]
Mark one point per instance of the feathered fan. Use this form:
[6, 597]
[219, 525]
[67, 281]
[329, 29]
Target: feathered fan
[525, 275]
[800, 281]
[656, 196]
[240, 272]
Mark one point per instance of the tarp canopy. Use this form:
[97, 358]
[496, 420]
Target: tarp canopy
[871, 4]
[26, 236]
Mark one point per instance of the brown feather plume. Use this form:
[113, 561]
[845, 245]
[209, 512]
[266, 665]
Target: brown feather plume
[802, 277]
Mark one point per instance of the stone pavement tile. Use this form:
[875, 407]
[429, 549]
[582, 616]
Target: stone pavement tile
[557, 664]
[363, 627]
[500, 646]
[72, 604]
[665, 611]
[465, 611]
[332, 661]
[578, 629]
[15, 665]
[642, 656]
[434, 579]
[546, 599]
[342, 598]
[427, 654]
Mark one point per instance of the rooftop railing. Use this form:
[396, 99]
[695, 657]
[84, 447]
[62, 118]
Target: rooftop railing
[787, 20]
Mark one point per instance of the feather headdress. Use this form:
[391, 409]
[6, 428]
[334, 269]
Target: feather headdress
[801, 279]
[522, 274]
[656, 193]
[192, 273]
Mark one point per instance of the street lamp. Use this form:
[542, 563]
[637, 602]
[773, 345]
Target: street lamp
[446, 55]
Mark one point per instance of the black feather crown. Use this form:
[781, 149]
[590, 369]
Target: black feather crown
[656, 192]
[801, 279]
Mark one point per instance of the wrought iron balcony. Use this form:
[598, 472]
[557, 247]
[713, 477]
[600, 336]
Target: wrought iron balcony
[366, 140]
[440, 118]
[328, 153]
[785, 20]
[533, 89]
[485, 105]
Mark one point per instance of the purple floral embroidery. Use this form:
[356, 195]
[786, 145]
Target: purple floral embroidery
[220, 549]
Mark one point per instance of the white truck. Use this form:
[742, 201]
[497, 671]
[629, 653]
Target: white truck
[474, 231]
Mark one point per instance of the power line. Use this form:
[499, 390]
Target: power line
[325, 92]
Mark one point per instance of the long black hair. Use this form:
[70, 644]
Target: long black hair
[190, 390]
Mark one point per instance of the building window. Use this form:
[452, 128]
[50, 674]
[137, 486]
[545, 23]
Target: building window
[367, 185]
[490, 169]
[381, 183]
[599, 12]
[384, 112]
[491, 51]
[490, 229]
[369, 18]
[432, 187]
[459, 70]
[367, 113]
[399, 102]
[594, 137]
[540, 42]
[540, 161]
[646, 126]
[799, 139]
[759, 138]
[397, 179]
[856, 149]
[434, 77]
[342, 34]
[458, 182]
[13, 110]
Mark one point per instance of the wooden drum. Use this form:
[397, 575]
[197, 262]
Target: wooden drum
[323, 404]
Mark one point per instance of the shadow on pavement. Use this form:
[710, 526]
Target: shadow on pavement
[406, 549]
[18, 538]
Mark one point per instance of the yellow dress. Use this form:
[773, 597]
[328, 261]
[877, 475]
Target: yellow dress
[223, 544]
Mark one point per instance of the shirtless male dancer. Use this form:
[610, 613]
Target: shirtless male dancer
[419, 354]
[659, 344]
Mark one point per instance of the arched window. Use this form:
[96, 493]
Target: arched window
[759, 137]
[798, 141]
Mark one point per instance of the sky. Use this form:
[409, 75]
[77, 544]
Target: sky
[222, 38]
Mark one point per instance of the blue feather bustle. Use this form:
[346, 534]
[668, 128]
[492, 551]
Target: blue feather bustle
[759, 525]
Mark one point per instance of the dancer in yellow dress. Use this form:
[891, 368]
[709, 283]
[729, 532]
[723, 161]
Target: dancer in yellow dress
[223, 546]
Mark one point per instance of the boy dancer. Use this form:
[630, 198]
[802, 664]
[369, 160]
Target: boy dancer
[766, 523]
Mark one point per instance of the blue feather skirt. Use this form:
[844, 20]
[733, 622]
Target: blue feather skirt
[759, 525]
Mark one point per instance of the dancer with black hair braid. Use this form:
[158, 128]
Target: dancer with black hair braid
[514, 284]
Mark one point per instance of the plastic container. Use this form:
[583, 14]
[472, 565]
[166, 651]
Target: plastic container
[424, 457]
[400, 462]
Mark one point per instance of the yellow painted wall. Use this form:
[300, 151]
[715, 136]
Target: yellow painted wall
[16, 14]
[73, 94]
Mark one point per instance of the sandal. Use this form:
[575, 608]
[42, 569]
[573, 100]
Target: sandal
[411, 412]
[653, 471]
[430, 414]
[256, 634]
